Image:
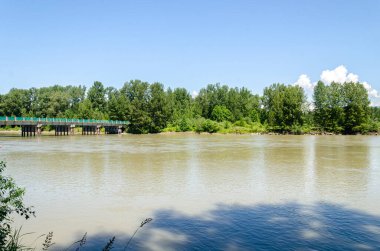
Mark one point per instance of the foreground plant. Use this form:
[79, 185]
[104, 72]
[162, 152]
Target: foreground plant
[14, 241]
[11, 202]
[146, 221]
[48, 241]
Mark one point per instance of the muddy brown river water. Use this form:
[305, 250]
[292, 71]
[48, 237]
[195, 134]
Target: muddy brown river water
[204, 192]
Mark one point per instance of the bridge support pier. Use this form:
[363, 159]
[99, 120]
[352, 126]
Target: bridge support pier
[89, 130]
[61, 130]
[112, 130]
[28, 130]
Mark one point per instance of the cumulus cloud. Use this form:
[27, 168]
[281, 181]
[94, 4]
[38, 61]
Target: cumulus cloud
[194, 94]
[371, 92]
[304, 82]
[339, 75]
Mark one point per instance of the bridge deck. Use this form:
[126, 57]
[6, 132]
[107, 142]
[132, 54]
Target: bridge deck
[20, 121]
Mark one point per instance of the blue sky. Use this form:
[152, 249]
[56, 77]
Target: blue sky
[186, 43]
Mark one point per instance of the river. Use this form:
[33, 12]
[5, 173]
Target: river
[204, 192]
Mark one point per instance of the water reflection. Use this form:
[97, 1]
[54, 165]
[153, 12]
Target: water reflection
[342, 168]
[286, 167]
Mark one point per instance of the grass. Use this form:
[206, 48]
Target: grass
[10, 128]
[15, 241]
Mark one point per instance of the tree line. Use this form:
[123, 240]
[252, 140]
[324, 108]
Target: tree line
[152, 108]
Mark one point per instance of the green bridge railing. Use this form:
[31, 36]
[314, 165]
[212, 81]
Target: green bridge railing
[116, 122]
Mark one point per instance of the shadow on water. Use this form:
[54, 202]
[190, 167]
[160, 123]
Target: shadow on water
[290, 226]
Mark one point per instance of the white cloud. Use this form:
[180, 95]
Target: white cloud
[194, 94]
[352, 78]
[338, 75]
[375, 102]
[371, 92]
[304, 82]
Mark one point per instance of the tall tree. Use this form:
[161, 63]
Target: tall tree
[336, 105]
[210, 97]
[85, 110]
[341, 107]
[76, 96]
[181, 103]
[117, 105]
[16, 102]
[375, 113]
[137, 93]
[321, 105]
[284, 106]
[158, 107]
[96, 95]
[356, 107]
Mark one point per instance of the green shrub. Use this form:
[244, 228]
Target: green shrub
[221, 113]
[296, 129]
[171, 128]
[206, 125]
[371, 126]
[11, 201]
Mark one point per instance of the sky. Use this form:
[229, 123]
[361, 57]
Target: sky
[189, 43]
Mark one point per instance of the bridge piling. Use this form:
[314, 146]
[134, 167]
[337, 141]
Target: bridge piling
[61, 130]
[112, 130]
[28, 130]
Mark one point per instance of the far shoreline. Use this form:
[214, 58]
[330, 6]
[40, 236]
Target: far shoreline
[52, 133]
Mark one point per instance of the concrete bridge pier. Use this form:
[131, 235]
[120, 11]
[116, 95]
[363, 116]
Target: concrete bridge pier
[28, 130]
[85, 130]
[111, 129]
[61, 130]
[88, 130]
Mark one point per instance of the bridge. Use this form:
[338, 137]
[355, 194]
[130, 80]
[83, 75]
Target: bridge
[62, 126]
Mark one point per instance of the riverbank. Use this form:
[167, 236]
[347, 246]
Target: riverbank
[6, 132]
[78, 132]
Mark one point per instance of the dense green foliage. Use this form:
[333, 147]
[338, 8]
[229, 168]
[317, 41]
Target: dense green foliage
[150, 108]
[284, 106]
[11, 201]
[342, 108]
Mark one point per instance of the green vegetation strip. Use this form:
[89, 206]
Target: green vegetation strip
[338, 108]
